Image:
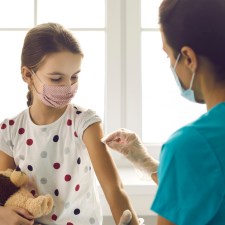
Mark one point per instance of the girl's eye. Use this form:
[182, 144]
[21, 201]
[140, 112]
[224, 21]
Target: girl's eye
[74, 78]
[56, 80]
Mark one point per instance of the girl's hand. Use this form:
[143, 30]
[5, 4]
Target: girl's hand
[126, 218]
[10, 215]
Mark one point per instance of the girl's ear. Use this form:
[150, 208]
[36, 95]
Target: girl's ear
[26, 74]
[190, 58]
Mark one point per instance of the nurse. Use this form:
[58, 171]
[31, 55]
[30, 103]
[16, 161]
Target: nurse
[191, 174]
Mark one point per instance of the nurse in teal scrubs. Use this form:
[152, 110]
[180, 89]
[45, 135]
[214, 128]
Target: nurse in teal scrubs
[191, 173]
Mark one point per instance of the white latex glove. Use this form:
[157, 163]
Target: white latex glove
[126, 218]
[129, 144]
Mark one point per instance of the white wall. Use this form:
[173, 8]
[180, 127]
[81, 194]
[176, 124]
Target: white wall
[149, 220]
[141, 194]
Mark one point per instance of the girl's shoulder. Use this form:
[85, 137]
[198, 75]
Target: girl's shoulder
[15, 120]
[83, 118]
[81, 113]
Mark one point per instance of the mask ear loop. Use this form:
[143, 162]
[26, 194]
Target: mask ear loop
[193, 76]
[192, 80]
[38, 79]
[177, 60]
[36, 76]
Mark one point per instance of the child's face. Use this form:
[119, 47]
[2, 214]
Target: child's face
[60, 68]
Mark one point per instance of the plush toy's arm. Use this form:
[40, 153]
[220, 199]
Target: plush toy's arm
[18, 178]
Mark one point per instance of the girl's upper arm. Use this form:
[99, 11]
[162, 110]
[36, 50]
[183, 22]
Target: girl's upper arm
[107, 174]
[102, 162]
[6, 161]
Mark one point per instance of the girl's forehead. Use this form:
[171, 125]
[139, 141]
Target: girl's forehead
[62, 56]
[62, 60]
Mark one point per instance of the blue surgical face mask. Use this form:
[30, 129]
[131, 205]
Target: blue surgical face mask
[189, 93]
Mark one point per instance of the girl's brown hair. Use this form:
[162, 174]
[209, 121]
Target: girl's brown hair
[42, 40]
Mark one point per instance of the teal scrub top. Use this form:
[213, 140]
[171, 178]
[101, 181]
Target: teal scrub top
[191, 174]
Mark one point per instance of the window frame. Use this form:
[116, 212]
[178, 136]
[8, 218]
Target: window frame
[123, 69]
[123, 75]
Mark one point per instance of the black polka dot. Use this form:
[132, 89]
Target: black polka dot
[18, 168]
[76, 211]
[56, 138]
[29, 167]
[56, 192]
[79, 161]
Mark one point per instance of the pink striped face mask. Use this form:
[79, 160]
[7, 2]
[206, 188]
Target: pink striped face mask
[56, 96]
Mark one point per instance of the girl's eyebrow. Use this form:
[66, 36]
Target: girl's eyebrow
[62, 74]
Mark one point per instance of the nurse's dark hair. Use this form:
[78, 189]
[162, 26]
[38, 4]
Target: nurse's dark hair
[45, 39]
[198, 24]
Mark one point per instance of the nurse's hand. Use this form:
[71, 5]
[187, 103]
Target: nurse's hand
[129, 144]
[126, 218]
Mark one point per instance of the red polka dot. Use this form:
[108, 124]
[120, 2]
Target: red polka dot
[56, 165]
[21, 130]
[77, 187]
[11, 122]
[75, 134]
[29, 141]
[69, 122]
[54, 217]
[67, 178]
[69, 223]
[3, 126]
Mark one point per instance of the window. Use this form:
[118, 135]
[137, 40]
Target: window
[163, 109]
[88, 26]
[125, 74]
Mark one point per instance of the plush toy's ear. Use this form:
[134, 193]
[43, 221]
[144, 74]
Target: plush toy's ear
[18, 178]
[6, 173]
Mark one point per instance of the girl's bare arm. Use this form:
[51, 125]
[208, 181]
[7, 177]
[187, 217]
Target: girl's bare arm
[107, 174]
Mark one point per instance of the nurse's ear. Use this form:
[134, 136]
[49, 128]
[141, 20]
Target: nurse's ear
[190, 58]
[26, 74]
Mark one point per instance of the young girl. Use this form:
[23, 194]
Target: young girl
[56, 143]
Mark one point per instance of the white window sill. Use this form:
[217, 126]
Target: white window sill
[141, 192]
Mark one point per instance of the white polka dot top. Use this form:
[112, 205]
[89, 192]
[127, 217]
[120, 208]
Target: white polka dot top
[57, 162]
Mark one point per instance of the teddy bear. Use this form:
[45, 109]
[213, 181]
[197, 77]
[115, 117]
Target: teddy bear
[12, 193]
